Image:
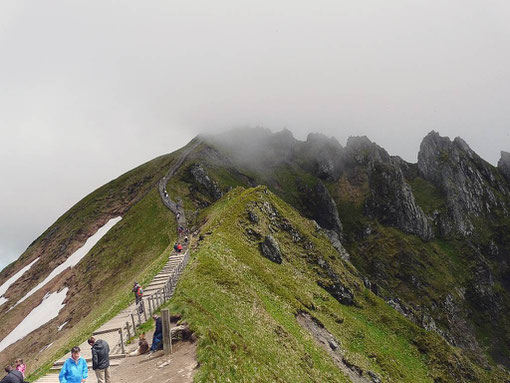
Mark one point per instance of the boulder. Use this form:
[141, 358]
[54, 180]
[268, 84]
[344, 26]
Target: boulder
[270, 249]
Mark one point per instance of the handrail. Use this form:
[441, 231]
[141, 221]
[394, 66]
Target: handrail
[156, 299]
[106, 331]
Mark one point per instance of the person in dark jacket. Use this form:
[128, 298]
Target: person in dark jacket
[13, 376]
[158, 334]
[101, 359]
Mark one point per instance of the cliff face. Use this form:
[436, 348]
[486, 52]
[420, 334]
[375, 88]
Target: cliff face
[504, 164]
[390, 200]
[472, 187]
[428, 237]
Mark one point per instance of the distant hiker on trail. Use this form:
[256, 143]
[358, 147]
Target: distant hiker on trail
[175, 247]
[100, 359]
[179, 247]
[13, 376]
[178, 216]
[158, 334]
[180, 230]
[137, 289]
[186, 239]
[75, 368]
[20, 366]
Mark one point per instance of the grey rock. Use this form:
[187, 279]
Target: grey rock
[333, 345]
[334, 238]
[333, 285]
[504, 164]
[320, 206]
[468, 182]
[204, 182]
[373, 377]
[323, 156]
[253, 217]
[270, 249]
[392, 202]
[362, 151]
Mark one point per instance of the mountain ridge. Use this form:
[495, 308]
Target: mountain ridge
[429, 239]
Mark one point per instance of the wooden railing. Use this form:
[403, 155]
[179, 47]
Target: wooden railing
[152, 302]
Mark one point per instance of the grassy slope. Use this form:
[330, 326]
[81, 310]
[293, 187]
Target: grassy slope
[243, 307]
[133, 249]
[136, 249]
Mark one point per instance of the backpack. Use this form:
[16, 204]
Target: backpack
[139, 291]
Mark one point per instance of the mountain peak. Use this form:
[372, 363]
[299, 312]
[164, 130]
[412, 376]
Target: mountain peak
[504, 164]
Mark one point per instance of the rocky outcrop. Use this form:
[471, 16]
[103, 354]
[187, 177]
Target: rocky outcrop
[392, 202]
[204, 183]
[362, 151]
[320, 206]
[333, 284]
[323, 156]
[391, 199]
[270, 249]
[504, 164]
[469, 183]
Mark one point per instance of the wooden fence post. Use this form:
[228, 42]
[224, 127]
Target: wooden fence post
[134, 324]
[138, 315]
[122, 341]
[167, 331]
[128, 332]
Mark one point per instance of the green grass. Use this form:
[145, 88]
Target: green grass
[243, 307]
[427, 196]
[136, 248]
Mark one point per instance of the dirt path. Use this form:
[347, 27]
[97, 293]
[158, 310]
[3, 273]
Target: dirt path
[172, 205]
[179, 367]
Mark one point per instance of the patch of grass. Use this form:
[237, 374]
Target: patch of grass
[427, 196]
[243, 306]
[137, 248]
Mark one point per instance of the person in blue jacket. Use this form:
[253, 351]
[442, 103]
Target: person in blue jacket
[75, 368]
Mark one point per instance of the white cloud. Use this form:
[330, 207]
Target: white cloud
[93, 88]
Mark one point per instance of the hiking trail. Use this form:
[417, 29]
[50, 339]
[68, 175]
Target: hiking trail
[152, 293]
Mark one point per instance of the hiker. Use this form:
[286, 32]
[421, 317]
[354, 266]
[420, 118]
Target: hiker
[13, 376]
[75, 368]
[178, 216]
[158, 334]
[137, 289]
[180, 230]
[100, 359]
[186, 239]
[175, 247]
[179, 247]
[21, 367]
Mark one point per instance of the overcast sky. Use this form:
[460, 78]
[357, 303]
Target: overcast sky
[90, 89]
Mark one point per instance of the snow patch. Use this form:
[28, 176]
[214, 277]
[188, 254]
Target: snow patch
[46, 311]
[76, 257]
[62, 326]
[5, 286]
[46, 347]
